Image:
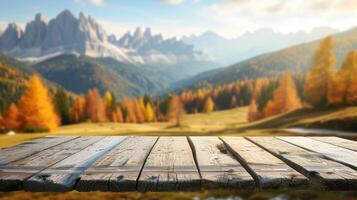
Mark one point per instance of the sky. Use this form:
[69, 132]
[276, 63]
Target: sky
[229, 18]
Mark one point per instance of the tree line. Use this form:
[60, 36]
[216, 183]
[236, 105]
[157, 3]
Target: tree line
[322, 86]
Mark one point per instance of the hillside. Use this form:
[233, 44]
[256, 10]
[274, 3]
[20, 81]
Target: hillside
[79, 74]
[13, 78]
[296, 59]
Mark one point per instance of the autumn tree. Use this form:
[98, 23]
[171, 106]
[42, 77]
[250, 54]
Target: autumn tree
[117, 115]
[61, 103]
[209, 105]
[11, 118]
[344, 89]
[109, 104]
[77, 112]
[176, 110]
[285, 97]
[149, 113]
[36, 109]
[95, 109]
[253, 113]
[319, 77]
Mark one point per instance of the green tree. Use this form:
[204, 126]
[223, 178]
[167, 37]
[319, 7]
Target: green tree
[61, 103]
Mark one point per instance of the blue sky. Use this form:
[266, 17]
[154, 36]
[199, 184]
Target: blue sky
[229, 18]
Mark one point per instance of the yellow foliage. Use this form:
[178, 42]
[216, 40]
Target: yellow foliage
[319, 78]
[35, 107]
[344, 90]
[209, 105]
[149, 113]
[285, 97]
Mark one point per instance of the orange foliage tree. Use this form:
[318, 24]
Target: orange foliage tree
[344, 90]
[319, 78]
[36, 108]
[95, 107]
[209, 105]
[285, 97]
[77, 113]
[11, 118]
[176, 110]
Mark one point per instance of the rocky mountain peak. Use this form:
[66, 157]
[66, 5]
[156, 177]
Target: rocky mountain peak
[10, 37]
[35, 33]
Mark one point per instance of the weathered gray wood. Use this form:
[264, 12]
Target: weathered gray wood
[217, 166]
[119, 169]
[23, 150]
[267, 170]
[13, 174]
[169, 167]
[63, 175]
[341, 142]
[330, 151]
[321, 171]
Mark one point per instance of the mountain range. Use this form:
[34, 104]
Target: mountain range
[66, 34]
[250, 44]
[296, 59]
[77, 53]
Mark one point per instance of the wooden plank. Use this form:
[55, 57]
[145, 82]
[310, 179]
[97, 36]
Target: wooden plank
[13, 174]
[119, 169]
[62, 176]
[26, 149]
[321, 171]
[330, 151]
[169, 167]
[217, 166]
[268, 171]
[337, 141]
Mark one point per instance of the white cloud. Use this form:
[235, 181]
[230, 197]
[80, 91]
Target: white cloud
[174, 2]
[93, 2]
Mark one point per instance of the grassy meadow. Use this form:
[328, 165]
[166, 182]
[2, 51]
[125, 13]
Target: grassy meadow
[229, 122]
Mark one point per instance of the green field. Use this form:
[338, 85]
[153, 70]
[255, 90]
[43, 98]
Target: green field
[230, 122]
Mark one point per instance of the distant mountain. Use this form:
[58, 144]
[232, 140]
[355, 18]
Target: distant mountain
[66, 34]
[81, 73]
[296, 59]
[228, 51]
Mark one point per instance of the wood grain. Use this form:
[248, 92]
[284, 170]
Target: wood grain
[341, 142]
[268, 170]
[13, 174]
[23, 150]
[63, 175]
[119, 169]
[217, 165]
[170, 167]
[330, 151]
[321, 171]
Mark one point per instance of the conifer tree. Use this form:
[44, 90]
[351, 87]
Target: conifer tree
[285, 97]
[176, 110]
[344, 90]
[319, 77]
[11, 118]
[209, 105]
[36, 109]
[77, 113]
[61, 102]
[149, 113]
[95, 109]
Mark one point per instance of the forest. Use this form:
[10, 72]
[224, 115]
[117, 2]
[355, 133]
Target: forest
[38, 109]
